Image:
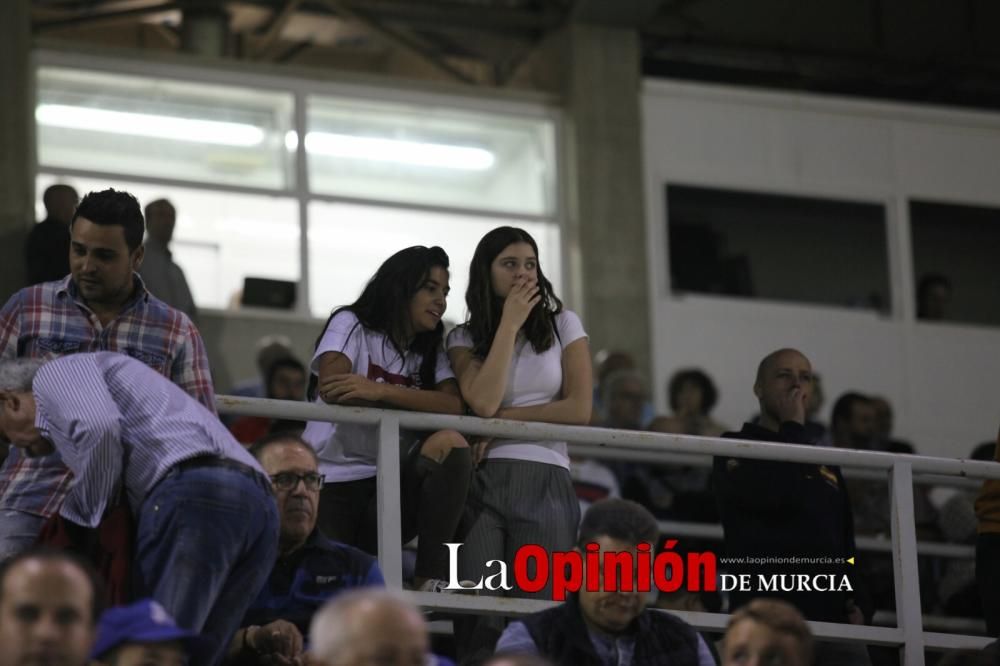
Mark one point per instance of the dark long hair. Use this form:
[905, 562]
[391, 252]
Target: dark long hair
[485, 307]
[383, 306]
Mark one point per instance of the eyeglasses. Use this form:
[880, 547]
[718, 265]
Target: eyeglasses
[290, 480]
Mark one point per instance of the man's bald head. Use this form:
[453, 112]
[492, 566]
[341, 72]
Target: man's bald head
[769, 362]
[783, 387]
[360, 624]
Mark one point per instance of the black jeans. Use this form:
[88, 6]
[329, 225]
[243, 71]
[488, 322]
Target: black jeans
[432, 498]
[988, 579]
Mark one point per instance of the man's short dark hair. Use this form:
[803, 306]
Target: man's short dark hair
[709, 394]
[114, 208]
[275, 438]
[843, 409]
[620, 519]
[98, 601]
[53, 191]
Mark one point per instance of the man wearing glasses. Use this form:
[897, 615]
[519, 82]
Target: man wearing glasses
[310, 569]
[205, 513]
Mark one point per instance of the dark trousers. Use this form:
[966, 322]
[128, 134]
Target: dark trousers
[988, 579]
[432, 498]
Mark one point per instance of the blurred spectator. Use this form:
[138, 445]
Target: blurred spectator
[773, 509]
[592, 481]
[100, 306]
[286, 380]
[767, 632]
[692, 396]
[883, 428]
[988, 549]
[142, 634]
[270, 348]
[853, 426]
[162, 276]
[957, 589]
[988, 656]
[47, 249]
[205, 514]
[49, 605]
[933, 297]
[605, 363]
[608, 627]
[361, 627]
[623, 395]
[680, 492]
[310, 570]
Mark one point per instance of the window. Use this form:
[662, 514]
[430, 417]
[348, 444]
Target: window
[163, 128]
[778, 247]
[430, 155]
[955, 262]
[385, 171]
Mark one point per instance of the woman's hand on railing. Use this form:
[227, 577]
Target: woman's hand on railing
[351, 389]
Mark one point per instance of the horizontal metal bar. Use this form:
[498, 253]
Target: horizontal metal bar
[938, 641]
[863, 543]
[705, 460]
[969, 625]
[605, 437]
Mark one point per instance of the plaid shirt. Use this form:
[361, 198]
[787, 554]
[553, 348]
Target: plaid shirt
[49, 320]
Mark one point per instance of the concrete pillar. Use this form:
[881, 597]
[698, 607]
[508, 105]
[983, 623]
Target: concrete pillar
[17, 143]
[606, 232]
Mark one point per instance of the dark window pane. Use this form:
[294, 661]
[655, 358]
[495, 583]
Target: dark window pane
[955, 252]
[778, 247]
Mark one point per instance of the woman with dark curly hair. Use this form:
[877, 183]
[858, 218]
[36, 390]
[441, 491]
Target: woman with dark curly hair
[692, 395]
[386, 350]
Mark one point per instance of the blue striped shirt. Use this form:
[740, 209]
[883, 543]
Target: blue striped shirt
[112, 418]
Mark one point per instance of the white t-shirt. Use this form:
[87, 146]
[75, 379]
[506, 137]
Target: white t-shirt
[532, 379]
[347, 451]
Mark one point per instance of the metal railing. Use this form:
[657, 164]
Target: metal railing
[909, 632]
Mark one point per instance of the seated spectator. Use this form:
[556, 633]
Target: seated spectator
[205, 515]
[775, 509]
[957, 590]
[285, 380]
[142, 634]
[613, 628]
[853, 425]
[310, 570]
[883, 428]
[988, 549]
[767, 632]
[592, 481]
[606, 362]
[362, 627]
[270, 348]
[680, 492]
[49, 604]
[692, 395]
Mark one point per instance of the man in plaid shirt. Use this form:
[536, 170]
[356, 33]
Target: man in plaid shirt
[102, 305]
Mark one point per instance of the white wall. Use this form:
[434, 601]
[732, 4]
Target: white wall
[941, 378]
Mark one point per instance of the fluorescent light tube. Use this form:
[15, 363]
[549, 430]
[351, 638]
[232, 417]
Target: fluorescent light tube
[151, 125]
[438, 155]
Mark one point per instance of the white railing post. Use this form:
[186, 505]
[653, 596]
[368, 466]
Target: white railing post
[390, 519]
[904, 563]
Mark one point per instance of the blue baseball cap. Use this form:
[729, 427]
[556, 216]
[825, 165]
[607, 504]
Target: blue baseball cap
[145, 621]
